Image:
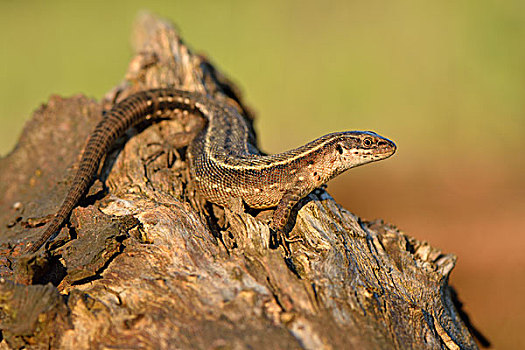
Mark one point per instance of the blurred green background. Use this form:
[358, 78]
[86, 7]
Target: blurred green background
[445, 80]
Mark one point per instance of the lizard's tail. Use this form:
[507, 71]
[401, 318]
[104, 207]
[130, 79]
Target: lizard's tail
[106, 132]
[87, 168]
[131, 111]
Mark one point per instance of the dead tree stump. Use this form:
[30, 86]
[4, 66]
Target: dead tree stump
[143, 263]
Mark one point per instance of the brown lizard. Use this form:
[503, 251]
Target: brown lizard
[224, 161]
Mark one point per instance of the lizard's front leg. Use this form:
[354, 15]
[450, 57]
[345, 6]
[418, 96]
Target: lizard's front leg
[281, 215]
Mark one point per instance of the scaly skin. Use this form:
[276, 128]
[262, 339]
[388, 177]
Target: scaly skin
[224, 162]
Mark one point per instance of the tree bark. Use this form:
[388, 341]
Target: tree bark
[144, 263]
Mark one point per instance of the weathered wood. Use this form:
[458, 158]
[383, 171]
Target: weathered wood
[151, 266]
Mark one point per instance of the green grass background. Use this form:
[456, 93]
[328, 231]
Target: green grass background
[439, 77]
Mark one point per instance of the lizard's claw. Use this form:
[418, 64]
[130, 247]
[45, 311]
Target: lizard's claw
[280, 238]
[292, 239]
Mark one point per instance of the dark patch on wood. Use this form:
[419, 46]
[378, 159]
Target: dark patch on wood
[99, 239]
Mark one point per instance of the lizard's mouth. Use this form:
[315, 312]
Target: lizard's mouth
[386, 148]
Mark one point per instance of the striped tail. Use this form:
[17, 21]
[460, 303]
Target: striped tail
[83, 177]
[130, 111]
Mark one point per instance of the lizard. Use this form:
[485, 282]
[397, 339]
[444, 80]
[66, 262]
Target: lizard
[224, 162]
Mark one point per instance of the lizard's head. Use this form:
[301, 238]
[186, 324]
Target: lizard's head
[356, 148]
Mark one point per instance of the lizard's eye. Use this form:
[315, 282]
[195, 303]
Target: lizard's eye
[367, 142]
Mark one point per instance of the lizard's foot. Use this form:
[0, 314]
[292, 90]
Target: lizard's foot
[280, 238]
[292, 239]
[171, 153]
